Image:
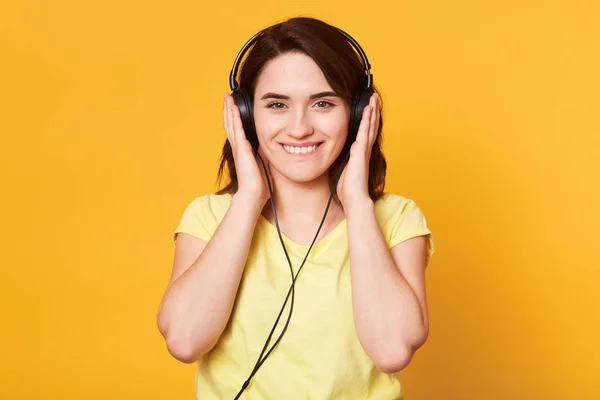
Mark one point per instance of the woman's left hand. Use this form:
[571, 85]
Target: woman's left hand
[353, 184]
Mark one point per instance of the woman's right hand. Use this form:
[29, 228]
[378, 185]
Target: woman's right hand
[252, 184]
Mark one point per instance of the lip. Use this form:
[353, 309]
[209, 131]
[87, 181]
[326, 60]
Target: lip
[304, 144]
[307, 144]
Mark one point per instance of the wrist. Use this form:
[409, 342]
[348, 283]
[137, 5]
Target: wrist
[249, 202]
[358, 205]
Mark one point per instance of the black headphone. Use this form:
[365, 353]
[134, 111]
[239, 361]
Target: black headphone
[244, 102]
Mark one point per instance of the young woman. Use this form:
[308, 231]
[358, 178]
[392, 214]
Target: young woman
[267, 309]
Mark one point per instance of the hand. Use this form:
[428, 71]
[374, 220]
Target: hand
[353, 184]
[250, 175]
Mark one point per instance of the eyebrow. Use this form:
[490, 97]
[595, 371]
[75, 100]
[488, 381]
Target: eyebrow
[271, 95]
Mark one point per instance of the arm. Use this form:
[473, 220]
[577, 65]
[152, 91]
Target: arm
[388, 287]
[198, 301]
[388, 290]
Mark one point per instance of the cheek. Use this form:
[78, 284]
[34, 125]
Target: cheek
[267, 127]
[335, 126]
[338, 122]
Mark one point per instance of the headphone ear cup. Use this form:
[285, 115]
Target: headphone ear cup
[359, 102]
[244, 103]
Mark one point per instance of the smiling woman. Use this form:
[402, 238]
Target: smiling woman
[300, 121]
[303, 154]
[325, 69]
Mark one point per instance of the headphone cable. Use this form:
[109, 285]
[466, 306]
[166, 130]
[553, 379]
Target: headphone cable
[291, 291]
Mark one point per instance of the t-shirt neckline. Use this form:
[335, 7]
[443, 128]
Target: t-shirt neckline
[331, 235]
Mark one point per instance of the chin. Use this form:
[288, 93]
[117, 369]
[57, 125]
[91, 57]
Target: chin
[306, 177]
[302, 176]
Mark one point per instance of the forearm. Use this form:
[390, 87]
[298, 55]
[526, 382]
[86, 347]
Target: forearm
[388, 317]
[198, 304]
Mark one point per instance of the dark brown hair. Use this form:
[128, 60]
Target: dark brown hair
[343, 70]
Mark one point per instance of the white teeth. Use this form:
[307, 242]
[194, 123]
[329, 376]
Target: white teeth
[298, 150]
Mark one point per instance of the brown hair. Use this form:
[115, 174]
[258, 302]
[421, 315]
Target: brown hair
[343, 70]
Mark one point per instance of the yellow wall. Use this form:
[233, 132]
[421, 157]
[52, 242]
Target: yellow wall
[110, 124]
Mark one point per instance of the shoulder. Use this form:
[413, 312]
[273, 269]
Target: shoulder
[212, 203]
[210, 207]
[203, 215]
[400, 219]
[393, 204]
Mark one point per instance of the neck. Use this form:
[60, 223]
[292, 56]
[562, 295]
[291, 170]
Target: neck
[303, 202]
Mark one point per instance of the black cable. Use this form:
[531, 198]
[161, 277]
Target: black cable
[291, 291]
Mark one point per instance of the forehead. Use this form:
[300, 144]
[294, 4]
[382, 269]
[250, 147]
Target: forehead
[291, 74]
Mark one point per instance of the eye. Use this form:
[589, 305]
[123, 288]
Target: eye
[324, 104]
[275, 104]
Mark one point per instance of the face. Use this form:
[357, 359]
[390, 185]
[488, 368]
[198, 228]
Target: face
[300, 122]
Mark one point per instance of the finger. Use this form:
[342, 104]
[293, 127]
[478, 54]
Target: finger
[377, 120]
[225, 118]
[238, 129]
[363, 128]
[230, 128]
[260, 158]
[267, 165]
[373, 120]
[228, 120]
[224, 109]
[355, 149]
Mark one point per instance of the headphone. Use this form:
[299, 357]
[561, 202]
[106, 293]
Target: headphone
[243, 101]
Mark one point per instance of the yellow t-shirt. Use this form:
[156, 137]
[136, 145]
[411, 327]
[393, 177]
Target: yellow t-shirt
[320, 356]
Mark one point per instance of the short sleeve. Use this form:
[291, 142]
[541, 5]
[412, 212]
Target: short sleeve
[405, 220]
[194, 220]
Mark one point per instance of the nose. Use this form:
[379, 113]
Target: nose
[299, 124]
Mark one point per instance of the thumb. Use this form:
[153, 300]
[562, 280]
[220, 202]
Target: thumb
[261, 159]
[264, 162]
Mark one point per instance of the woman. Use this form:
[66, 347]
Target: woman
[357, 310]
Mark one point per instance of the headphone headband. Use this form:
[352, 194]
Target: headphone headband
[233, 85]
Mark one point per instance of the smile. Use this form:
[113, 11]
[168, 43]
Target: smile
[300, 150]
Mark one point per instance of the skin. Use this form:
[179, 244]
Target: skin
[285, 113]
[388, 285]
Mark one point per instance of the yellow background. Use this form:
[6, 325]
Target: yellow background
[110, 125]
